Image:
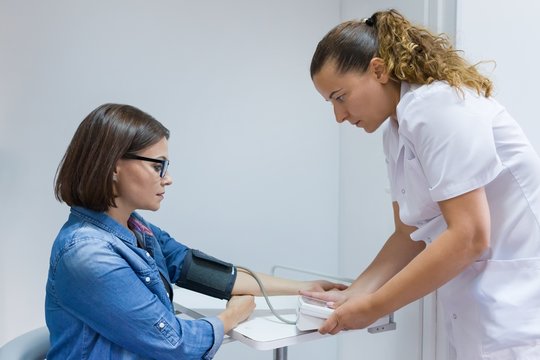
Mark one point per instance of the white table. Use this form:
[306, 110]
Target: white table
[262, 331]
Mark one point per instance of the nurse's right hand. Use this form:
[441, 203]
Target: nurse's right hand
[239, 307]
[358, 312]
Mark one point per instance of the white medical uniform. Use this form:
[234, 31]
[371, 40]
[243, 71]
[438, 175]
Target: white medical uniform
[447, 143]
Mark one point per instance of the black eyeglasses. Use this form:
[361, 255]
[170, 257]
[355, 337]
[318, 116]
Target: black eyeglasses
[162, 170]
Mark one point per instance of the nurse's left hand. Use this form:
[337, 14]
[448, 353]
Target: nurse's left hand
[355, 313]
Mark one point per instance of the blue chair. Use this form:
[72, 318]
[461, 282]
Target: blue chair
[32, 345]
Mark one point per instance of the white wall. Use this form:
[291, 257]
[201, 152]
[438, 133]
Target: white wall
[509, 36]
[253, 155]
[261, 170]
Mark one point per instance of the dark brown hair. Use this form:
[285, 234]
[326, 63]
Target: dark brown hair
[84, 176]
[411, 53]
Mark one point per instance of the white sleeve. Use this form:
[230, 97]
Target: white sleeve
[453, 138]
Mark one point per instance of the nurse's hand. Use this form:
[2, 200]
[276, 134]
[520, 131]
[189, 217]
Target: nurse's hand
[355, 313]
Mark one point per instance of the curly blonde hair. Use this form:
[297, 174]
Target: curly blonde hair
[411, 53]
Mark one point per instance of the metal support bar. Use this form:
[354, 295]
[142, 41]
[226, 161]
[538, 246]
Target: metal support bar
[280, 353]
[309, 272]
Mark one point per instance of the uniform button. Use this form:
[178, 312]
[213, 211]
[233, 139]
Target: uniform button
[403, 191]
[161, 325]
[147, 279]
[147, 254]
[454, 316]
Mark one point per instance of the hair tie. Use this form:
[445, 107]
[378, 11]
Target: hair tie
[370, 21]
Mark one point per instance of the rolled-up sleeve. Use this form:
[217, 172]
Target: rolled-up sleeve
[218, 334]
[454, 142]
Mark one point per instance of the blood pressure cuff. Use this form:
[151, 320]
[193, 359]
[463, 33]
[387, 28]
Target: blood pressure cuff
[207, 275]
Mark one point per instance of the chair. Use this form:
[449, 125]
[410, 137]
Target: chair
[32, 345]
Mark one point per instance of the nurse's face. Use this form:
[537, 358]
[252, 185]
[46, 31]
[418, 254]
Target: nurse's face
[365, 100]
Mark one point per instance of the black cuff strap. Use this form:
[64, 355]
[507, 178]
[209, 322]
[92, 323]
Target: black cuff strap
[207, 275]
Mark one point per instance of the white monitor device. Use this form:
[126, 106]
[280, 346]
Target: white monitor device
[312, 313]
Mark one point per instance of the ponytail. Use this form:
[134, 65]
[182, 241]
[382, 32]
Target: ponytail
[410, 53]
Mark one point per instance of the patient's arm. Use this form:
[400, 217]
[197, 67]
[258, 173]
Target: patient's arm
[247, 285]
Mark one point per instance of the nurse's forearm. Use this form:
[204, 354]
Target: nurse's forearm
[465, 240]
[396, 253]
[444, 259]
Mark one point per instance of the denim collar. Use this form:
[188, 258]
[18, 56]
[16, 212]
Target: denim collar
[105, 222]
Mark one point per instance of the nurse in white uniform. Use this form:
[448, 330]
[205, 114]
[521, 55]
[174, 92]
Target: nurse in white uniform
[465, 186]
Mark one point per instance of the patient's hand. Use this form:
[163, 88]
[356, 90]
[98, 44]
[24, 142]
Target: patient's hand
[238, 309]
[322, 285]
[334, 297]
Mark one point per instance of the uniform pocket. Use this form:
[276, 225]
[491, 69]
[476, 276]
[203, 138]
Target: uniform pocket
[509, 295]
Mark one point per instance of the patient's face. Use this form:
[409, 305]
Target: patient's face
[138, 183]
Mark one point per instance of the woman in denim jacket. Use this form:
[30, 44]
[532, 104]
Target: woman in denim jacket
[109, 293]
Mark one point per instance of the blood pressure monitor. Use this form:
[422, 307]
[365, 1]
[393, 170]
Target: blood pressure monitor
[311, 313]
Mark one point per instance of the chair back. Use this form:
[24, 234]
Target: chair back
[32, 345]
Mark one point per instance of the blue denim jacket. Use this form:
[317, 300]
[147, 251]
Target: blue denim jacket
[105, 298]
